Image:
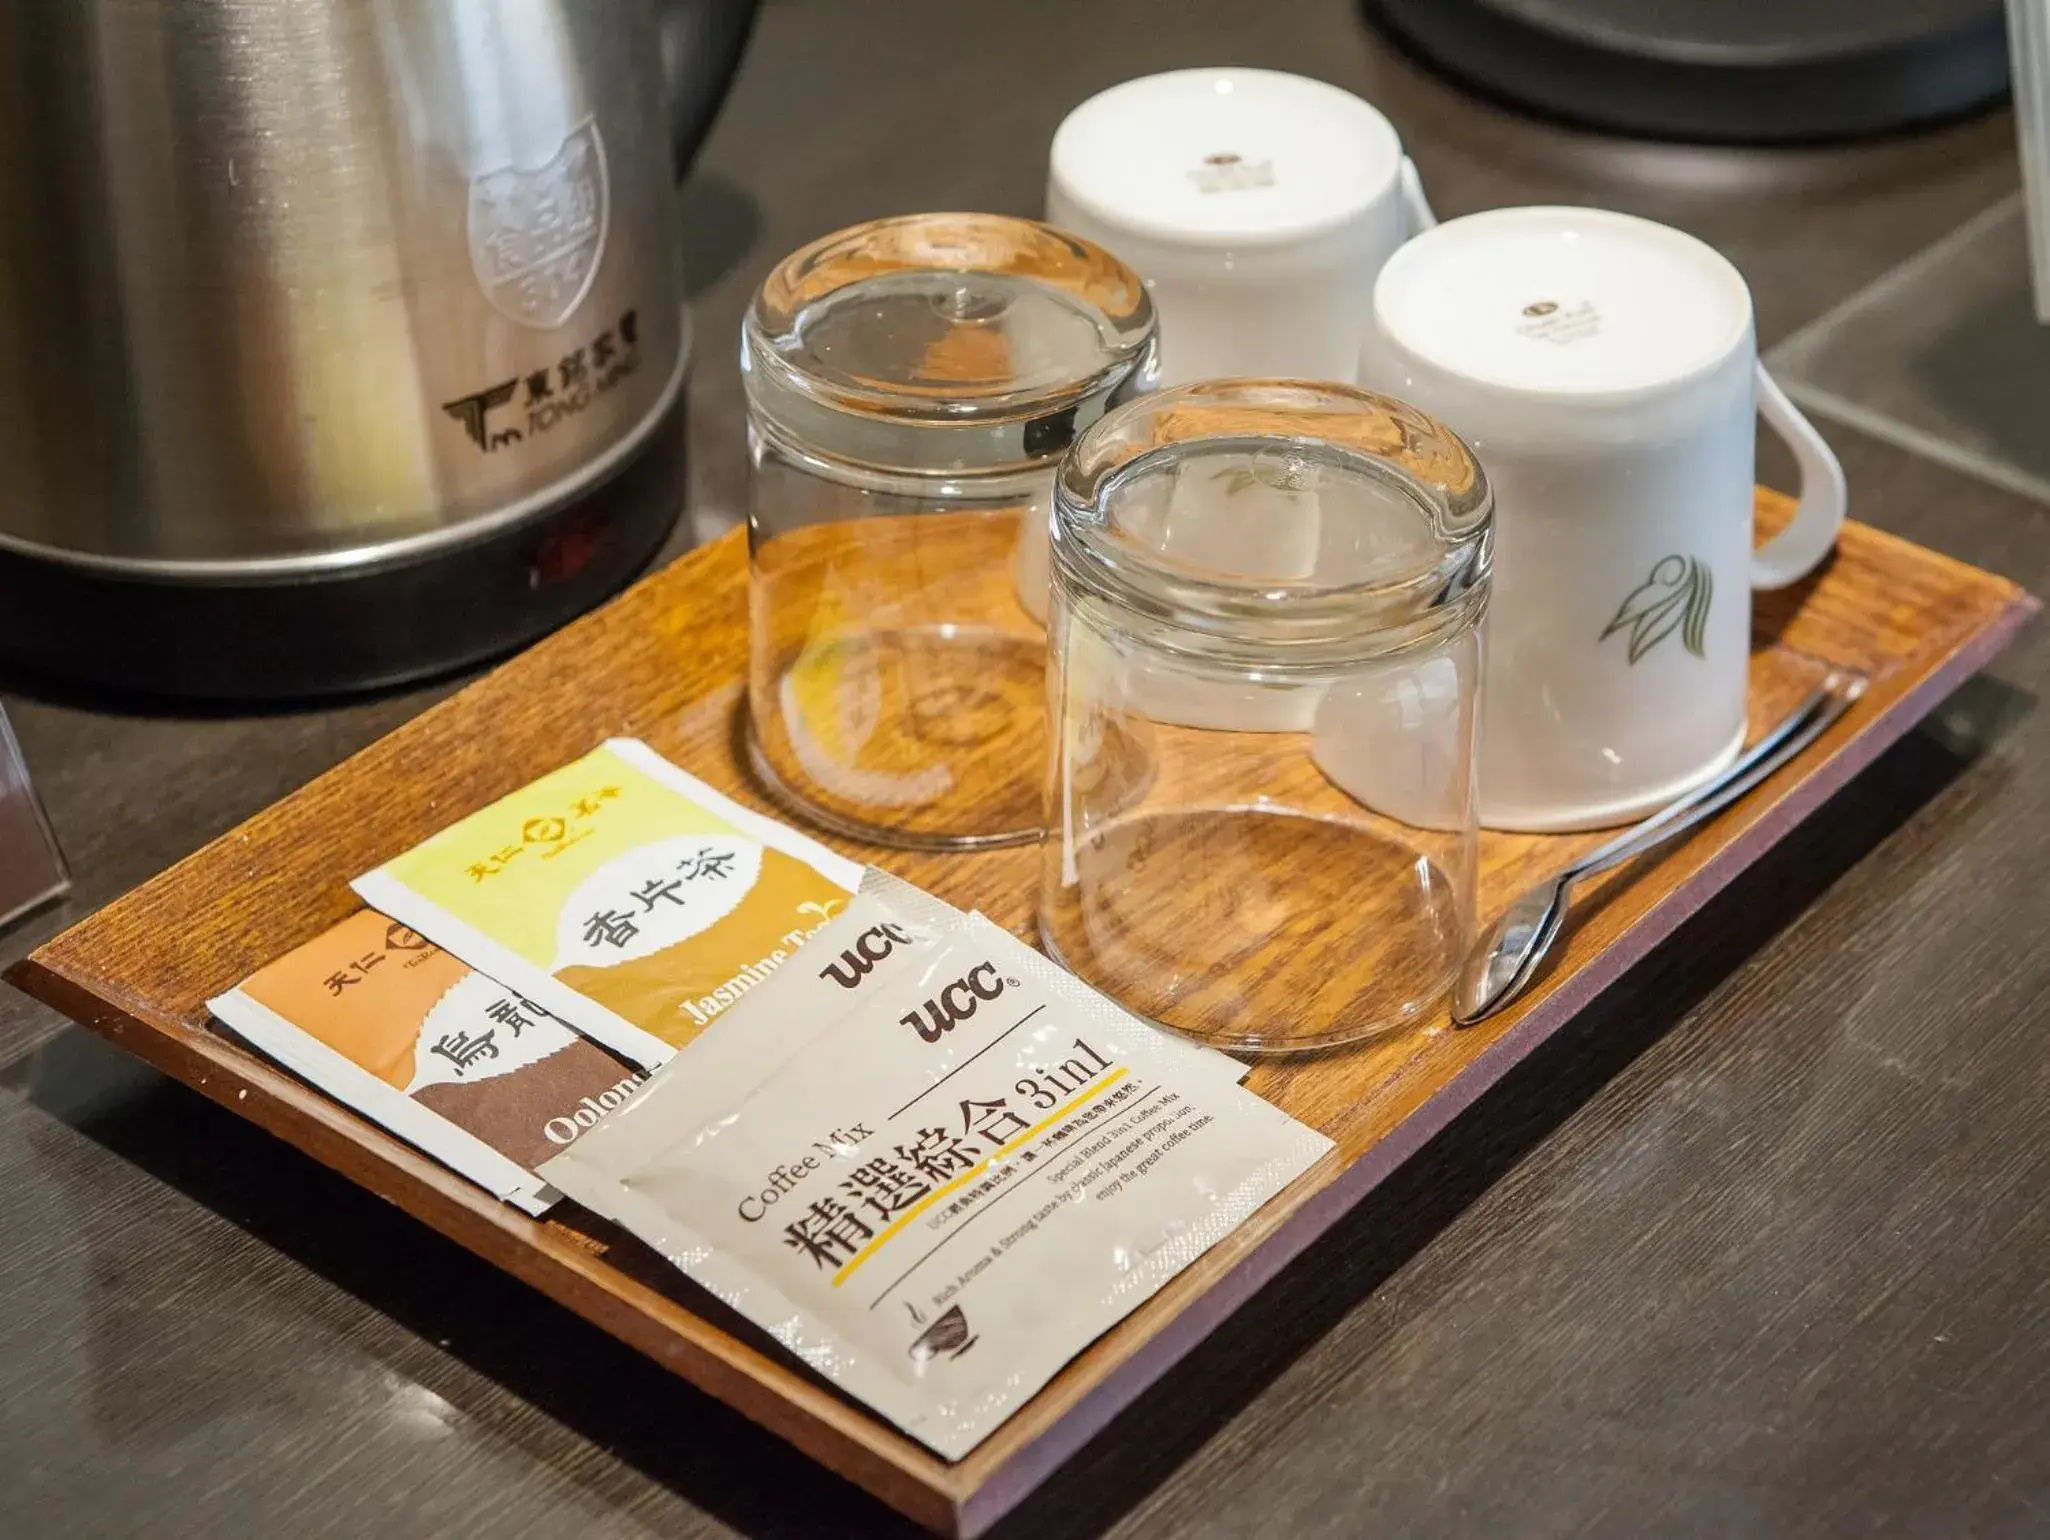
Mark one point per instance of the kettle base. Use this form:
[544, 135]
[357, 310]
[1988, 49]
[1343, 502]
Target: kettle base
[75, 629]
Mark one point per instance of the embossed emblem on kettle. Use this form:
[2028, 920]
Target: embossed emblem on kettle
[536, 236]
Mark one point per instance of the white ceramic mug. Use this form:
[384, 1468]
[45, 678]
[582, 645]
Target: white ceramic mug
[1604, 369]
[1259, 208]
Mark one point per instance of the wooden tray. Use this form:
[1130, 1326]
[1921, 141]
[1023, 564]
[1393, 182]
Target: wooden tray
[663, 662]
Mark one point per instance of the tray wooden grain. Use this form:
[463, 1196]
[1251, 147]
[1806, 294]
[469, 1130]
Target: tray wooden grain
[663, 662]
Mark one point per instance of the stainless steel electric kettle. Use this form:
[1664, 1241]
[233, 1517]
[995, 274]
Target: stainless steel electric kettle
[341, 341]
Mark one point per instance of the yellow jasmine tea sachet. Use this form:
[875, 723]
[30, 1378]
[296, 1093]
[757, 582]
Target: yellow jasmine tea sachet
[620, 893]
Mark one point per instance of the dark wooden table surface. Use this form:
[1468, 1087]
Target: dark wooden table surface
[1758, 1249]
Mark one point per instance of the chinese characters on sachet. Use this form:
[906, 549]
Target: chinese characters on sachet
[628, 898]
[380, 1018]
[942, 1175]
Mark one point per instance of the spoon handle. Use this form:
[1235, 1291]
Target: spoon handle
[1801, 727]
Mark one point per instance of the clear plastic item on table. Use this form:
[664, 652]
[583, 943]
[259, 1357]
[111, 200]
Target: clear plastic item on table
[32, 870]
[1266, 636]
[912, 384]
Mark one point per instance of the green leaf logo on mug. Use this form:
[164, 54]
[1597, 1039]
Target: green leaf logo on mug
[1674, 598]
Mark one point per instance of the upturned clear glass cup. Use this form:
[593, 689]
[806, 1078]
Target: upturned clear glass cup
[912, 384]
[1265, 656]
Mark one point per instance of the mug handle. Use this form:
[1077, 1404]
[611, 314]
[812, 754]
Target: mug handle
[1414, 202]
[1799, 549]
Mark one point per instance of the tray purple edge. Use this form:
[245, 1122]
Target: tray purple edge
[1017, 1478]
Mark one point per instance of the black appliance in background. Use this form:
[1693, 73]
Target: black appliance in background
[1742, 71]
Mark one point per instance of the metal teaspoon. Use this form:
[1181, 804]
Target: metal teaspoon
[1505, 959]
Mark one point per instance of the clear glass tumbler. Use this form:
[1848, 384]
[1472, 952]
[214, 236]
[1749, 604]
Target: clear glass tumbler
[912, 385]
[1265, 657]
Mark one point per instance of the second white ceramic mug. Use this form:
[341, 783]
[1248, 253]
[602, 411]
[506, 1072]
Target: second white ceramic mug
[1604, 369]
[1259, 208]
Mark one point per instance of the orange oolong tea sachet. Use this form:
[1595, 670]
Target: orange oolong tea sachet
[627, 897]
[457, 1065]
